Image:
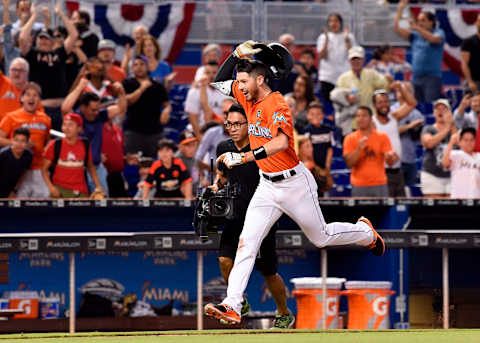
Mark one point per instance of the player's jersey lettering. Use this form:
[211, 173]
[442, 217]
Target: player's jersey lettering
[259, 131]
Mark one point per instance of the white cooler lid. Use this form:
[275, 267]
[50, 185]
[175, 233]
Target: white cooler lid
[368, 284]
[316, 282]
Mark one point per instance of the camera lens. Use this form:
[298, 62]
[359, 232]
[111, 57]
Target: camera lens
[221, 206]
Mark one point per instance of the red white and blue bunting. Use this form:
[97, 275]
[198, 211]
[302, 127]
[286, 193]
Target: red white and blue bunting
[169, 22]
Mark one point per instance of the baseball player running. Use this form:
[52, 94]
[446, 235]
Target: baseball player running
[246, 177]
[285, 186]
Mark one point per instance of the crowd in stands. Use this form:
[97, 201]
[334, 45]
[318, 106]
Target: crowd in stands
[76, 122]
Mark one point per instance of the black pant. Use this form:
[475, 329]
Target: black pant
[396, 183]
[266, 262]
[326, 88]
[116, 185]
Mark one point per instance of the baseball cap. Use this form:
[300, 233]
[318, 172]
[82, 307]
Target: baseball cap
[45, 33]
[356, 52]
[187, 136]
[74, 117]
[106, 44]
[442, 101]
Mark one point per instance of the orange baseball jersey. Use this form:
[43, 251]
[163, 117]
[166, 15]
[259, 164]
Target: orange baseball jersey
[265, 117]
[10, 97]
[39, 125]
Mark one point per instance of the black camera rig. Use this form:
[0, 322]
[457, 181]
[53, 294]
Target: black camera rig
[212, 209]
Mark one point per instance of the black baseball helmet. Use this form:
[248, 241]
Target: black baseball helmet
[276, 57]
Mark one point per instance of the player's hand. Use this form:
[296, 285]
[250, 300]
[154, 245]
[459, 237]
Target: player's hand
[230, 159]
[246, 49]
[214, 188]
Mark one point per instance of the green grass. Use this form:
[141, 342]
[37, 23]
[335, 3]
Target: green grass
[251, 336]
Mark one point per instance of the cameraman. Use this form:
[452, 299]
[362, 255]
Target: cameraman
[246, 178]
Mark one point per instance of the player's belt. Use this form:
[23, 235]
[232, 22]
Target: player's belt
[279, 177]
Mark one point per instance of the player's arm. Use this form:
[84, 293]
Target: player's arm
[223, 80]
[277, 144]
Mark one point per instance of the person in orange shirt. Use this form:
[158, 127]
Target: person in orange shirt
[286, 186]
[106, 54]
[11, 87]
[39, 125]
[365, 151]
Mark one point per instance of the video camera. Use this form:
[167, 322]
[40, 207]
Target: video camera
[212, 209]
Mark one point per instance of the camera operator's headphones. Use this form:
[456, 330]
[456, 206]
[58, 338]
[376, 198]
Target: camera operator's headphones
[276, 57]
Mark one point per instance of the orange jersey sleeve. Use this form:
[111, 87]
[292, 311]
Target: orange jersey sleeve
[239, 96]
[265, 118]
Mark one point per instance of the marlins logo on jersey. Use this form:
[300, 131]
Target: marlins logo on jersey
[279, 117]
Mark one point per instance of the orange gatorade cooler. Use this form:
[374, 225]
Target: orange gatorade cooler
[308, 292]
[368, 304]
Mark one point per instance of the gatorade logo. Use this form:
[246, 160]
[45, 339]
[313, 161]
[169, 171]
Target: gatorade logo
[380, 306]
[332, 306]
[26, 306]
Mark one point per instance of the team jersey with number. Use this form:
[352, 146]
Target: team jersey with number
[265, 118]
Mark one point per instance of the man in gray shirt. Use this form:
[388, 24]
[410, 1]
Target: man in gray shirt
[409, 128]
[463, 120]
[434, 178]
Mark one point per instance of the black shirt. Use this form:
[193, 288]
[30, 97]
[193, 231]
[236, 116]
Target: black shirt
[472, 45]
[245, 176]
[168, 180]
[144, 115]
[322, 138]
[48, 70]
[12, 168]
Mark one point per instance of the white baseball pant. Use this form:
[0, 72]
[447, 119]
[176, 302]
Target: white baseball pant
[297, 197]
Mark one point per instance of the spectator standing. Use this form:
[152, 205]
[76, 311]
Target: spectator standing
[198, 113]
[386, 121]
[345, 104]
[427, 53]
[285, 85]
[207, 149]
[159, 70]
[463, 120]
[322, 176]
[470, 57]
[75, 60]
[98, 80]
[15, 160]
[94, 118]
[169, 173]
[332, 48]
[148, 110]
[48, 66]
[69, 157]
[186, 152]
[304, 96]
[39, 125]
[113, 154]
[211, 53]
[434, 178]
[24, 11]
[106, 54]
[139, 32]
[386, 63]
[306, 65]
[409, 128]
[361, 82]
[87, 39]
[11, 87]
[321, 136]
[365, 151]
[464, 165]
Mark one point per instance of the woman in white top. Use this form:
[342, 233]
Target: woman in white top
[332, 48]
